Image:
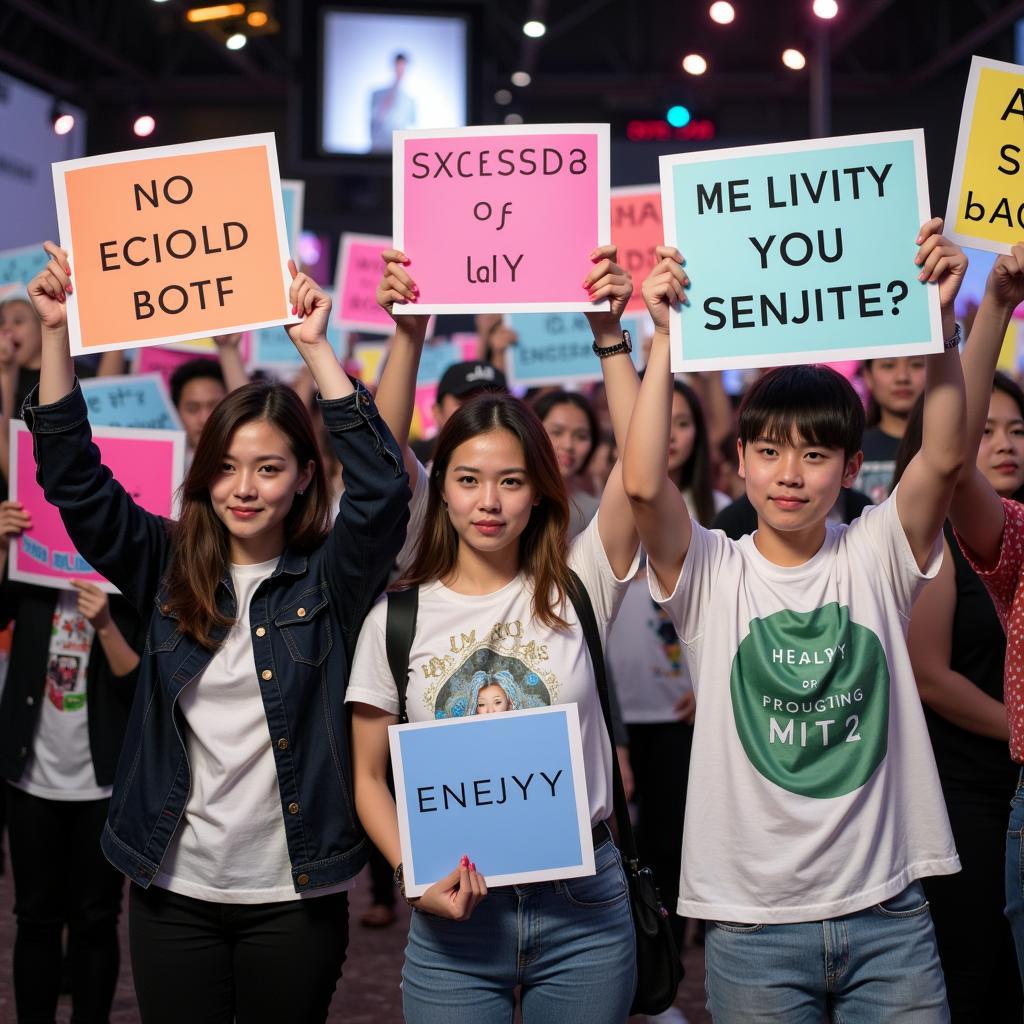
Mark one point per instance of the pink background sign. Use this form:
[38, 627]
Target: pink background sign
[359, 272]
[147, 463]
[163, 361]
[501, 219]
[636, 230]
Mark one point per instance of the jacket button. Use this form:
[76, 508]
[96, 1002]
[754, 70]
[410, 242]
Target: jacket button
[293, 808]
[303, 879]
[267, 674]
[301, 613]
[30, 701]
[165, 609]
[282, 744]
[261, 631]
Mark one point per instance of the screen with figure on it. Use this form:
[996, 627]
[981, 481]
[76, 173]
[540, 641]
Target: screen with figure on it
[385, 72]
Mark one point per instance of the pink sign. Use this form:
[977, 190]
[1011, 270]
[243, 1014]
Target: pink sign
[636, 230]
[164, 361]
[149, 464]
[359, 272]
[501, 219]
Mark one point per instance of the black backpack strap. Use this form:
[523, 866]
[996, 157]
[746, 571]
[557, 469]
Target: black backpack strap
[398, 636]
[580, 599]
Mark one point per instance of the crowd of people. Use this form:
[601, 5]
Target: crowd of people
[807, 594]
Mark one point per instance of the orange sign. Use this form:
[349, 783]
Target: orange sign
[173, 243]
[636, 230]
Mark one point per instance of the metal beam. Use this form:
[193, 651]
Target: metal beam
[31, 72]
[856, 22]
[968, 44]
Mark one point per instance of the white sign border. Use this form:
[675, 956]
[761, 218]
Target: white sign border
[579, 778]
[265, 139]
[18, 427]
[956, 182]
[679, 362]
[604, 209]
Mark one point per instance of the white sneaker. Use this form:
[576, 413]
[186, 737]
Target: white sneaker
[673, 1015]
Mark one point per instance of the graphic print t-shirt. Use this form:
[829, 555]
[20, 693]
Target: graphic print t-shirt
[467, 644]
[813, 790]
[60, 766]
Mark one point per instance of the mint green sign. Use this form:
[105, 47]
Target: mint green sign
[810, 698]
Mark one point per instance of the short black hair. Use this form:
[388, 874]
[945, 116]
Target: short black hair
[194, 369]
[812, 403]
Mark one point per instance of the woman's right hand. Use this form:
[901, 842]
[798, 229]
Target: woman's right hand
[49, 289]
[665, 286]
[457, 895]
[13, 520]
[397, 286]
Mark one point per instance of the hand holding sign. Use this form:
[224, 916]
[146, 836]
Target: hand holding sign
[1005, 282]
[455, 896]
[50, 288]
[313, 306]
[14, 520]
[93, 603]
[665, 286]
[941, 263]
[397, 286]
[607, 281]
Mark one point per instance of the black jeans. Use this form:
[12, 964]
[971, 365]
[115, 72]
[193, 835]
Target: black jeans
[659, 754]
[218, 963]
[61, 878]
[975, 941]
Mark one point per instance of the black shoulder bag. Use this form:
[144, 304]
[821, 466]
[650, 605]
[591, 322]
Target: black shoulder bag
[658, 967]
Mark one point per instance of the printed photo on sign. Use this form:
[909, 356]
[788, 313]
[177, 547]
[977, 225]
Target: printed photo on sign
[501, 219]
[986, 203]
[506, 786]
[557, 348]
[173, 243]
[636, 232]
[149, 464]
[800, 252]
[140, 400]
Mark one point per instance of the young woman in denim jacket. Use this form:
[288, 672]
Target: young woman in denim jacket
[232, 805]
[492, 566]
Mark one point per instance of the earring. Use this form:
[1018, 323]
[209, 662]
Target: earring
[300, 493]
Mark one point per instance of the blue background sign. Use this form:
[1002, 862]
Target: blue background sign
[19, 266]
[139, 400]
[515, 773]
[272, 348]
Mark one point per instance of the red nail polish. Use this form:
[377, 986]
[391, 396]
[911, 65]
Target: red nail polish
[472, 866]
[465, 861]
[295, 310]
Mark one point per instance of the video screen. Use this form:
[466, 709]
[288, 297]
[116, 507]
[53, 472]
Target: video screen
[382, 73]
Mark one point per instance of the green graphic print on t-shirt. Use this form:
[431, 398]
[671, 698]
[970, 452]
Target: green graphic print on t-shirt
[810, 697]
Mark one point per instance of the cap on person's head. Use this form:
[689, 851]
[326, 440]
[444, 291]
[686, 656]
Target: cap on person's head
[462, 379]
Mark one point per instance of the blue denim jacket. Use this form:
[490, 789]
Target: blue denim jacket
[304, 621]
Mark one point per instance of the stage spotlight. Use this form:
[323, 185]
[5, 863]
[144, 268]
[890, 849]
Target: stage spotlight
[826, 9]
[257, 19]
[63, 123]
[794, 60]
[235, 41]
[534, 29]
[722, 12]
[521, 79]
[694, 64]
[144, 126]
[678, 116]
[503, 97]
[513, 119]
[219, 12]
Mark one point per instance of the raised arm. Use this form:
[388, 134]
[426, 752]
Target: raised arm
[229, 354]
[924, 492]
[662, 518]
[396, 393]
[976, 511]
[614, 519]
[116, 536]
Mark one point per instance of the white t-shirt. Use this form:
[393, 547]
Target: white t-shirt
[60, 765]
[813, 790]
[463, 640]
[646, 658]
[230, 846]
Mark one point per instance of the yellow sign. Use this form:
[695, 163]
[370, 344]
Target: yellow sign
[986, 195]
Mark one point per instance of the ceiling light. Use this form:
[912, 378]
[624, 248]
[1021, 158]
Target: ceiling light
[694, 64]
[534, 29]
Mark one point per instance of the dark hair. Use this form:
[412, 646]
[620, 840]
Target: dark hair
[194, 369]
[873, 415]
[812, 403]
[200, 554]
[543, 545]
[694, 474]
[549, 399]
[1005, 383]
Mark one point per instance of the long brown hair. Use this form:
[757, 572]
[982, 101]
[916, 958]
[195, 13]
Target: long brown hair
[694, 475]
[543, 545]
[200, 539]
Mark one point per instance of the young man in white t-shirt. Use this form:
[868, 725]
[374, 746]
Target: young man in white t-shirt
[814, 804]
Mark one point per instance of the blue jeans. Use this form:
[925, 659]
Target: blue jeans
[877, 966]
[569, 944]
[1015, 872]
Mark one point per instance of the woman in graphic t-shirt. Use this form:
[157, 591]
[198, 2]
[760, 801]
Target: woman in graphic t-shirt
[493, 567]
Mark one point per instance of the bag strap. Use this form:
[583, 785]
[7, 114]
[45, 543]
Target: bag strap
[588, 622]
[398, 636]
